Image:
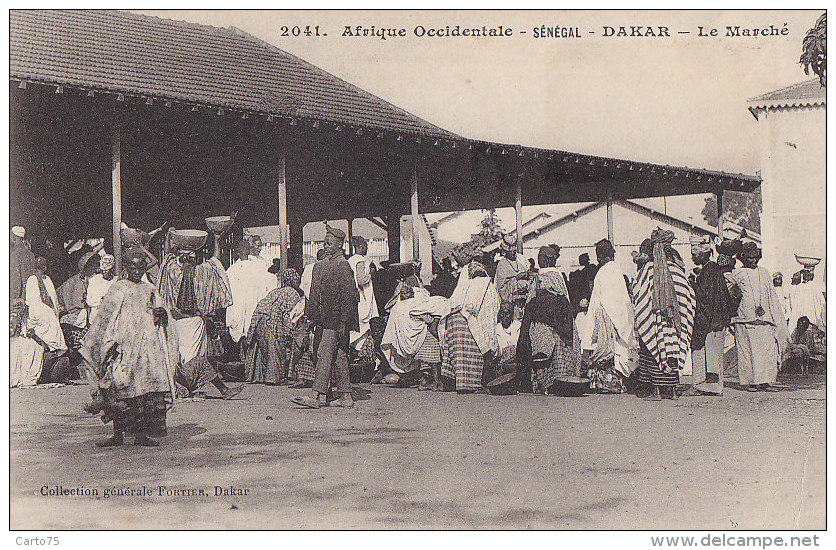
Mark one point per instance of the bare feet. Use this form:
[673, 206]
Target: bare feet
[345, 400]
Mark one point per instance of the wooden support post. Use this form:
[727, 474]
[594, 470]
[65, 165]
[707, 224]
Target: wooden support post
[393, 236]
[719, 195]
[282, 214]
[116, 190]
[610, 232]
[416, 228]
[518, 213]
[295, 255]
[350, 235]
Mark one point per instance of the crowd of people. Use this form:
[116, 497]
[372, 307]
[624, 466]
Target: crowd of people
[176, 323]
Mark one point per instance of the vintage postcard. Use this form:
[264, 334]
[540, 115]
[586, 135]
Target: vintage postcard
[419, 269]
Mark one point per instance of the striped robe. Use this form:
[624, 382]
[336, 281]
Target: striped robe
[659, 335]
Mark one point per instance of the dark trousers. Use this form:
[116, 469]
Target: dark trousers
[330, 348]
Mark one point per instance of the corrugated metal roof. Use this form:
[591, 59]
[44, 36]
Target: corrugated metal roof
[809, 92]
[162, 58]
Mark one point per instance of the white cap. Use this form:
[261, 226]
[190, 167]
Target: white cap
[19, 231]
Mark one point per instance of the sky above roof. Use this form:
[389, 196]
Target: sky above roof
[679, 101]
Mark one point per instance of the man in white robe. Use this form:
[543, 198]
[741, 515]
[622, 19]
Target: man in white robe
[367, 306]
[39, 287]
[249, 282]
[611, 299]
[35, 331]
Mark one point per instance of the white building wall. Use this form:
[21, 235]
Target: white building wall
[793, 153]
[630, 228]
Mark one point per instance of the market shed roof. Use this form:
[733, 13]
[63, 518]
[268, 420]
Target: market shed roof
[158, 58]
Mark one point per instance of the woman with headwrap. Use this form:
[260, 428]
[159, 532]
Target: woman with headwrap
[760, 330]
[665, 304]
[270, 329]
[469, 329]
[100, 283]
[549, 347]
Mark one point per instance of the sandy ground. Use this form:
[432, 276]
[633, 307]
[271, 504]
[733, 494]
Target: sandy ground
[409, 459]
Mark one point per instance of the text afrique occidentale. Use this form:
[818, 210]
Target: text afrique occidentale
[557, 31]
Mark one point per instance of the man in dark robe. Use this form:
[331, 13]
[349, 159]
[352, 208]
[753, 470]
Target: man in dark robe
[711, 319]
[332, 309]
[580, 281]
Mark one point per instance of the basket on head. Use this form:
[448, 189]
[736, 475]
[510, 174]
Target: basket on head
[219, 224]
[807, 261]
[134, 237]
[187, 239]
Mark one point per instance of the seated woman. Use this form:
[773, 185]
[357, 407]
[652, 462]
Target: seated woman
[806, 344]
[410, 341]
[269, 335]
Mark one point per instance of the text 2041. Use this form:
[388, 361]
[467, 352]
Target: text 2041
[307, 30]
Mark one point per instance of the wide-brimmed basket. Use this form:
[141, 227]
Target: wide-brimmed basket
[807, 261]
[187, 239]
[134, 237]
[219, 224]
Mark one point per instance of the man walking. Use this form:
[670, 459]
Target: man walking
[332, 309]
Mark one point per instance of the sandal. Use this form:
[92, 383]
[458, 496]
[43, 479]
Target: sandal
[306, 402]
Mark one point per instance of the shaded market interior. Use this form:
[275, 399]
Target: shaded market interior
[157, 120]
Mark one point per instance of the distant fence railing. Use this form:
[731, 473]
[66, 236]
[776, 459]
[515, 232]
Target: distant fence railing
[378, 250]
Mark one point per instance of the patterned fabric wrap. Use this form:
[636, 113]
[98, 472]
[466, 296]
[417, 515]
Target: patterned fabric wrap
[302, 367]
[266, 355]
[657, 331]
[211, 284]
[563, 360]
[651, 373]
[430, 350]
[461, 358]
[664, 293]
[603, 378]
[142, 414]
[73, 336]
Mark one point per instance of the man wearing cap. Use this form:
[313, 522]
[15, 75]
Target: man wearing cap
[711, 319]
[512, 273]
[332, 310]
[21, 263]
[100, 283]
[760, 330]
